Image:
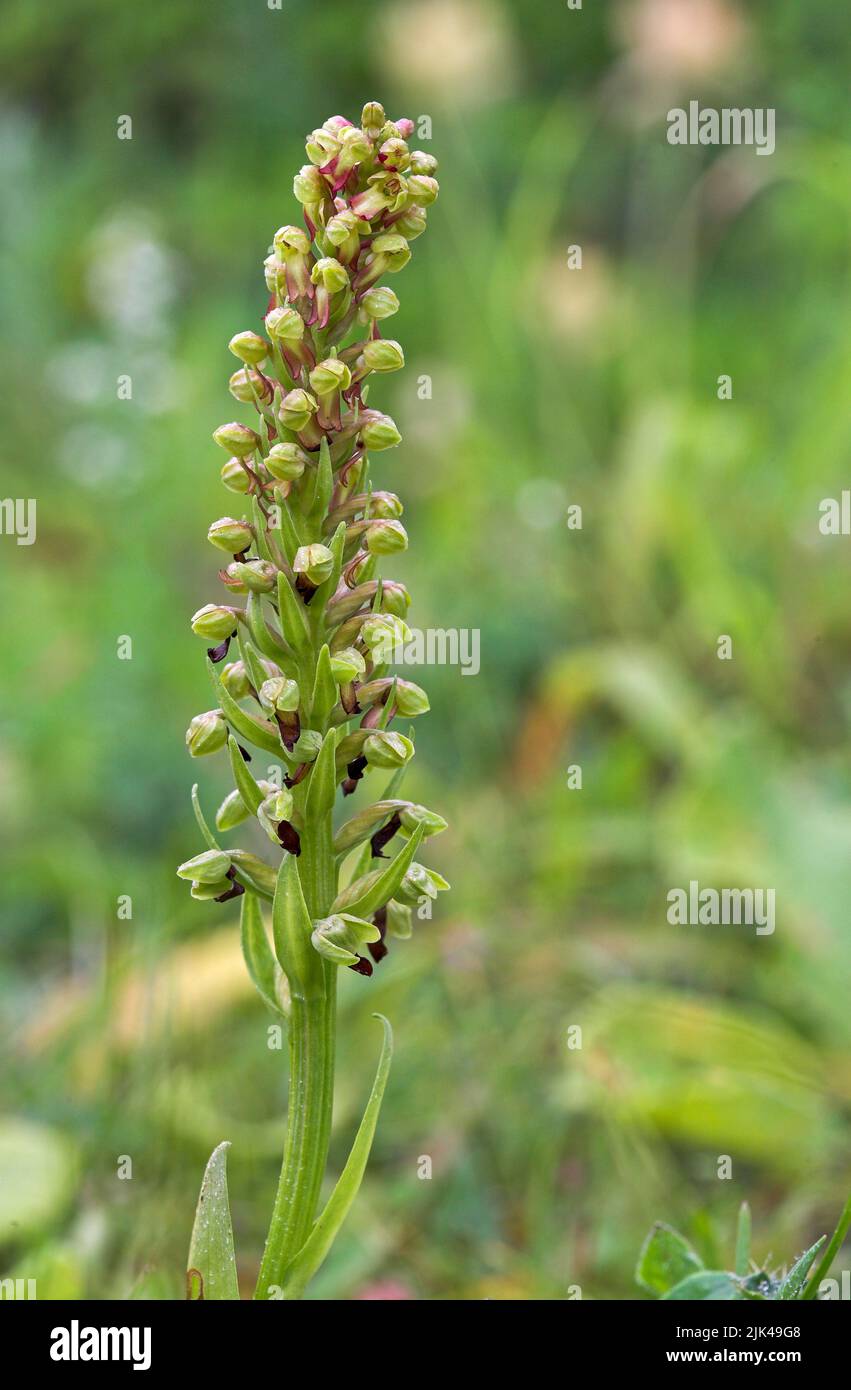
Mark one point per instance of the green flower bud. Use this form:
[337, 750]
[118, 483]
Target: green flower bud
[237, 439]
[292, 240]
[213, 622]
[373, 119]
[339, 938]
[385, 748]
[330, 375]
[410, 699]
[414, 815]
[307, 745]
[230, 535]
[208, 892]
[280, 693]
[388, 252]
[315, 562]
[347, 665]
[423, 189]
[277, 806]
[422, 163]
[234, 476]
[383, 355]
[207, 733]
[208, 867]
[420, 882]
[275, 275]
[286, 461]
[395, 598]
[329, 273]
[386, 538]
[249, 348]
[384, 505]
[248, 387]
[413, 222]
[232, 812]
[354, 149]
[394, 153]
[399, 921]
[309, 186]
[382, 633]
[322, 146]
[285, 323]
[257, 576]
[235, 680]
[343, 231]
[379, 302]
[297, 407]
[379, 432]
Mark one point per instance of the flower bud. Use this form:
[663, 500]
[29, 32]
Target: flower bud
[307, 745]
[235, 680]
[286, 461]
[389, 252]
[410, 699]
[379, 432]
[423, 189]
[420, 882]
[330, 375]
[413, 222]
[233, 810]
[213, 622]
[354, 149]
[423, 163]
[399, 922]
[405, 127]
[230, 535]
[208, 867]
[207, 733]
[379, 303]
[297, 407]
[285, 323]
[329, 273]
[237, 439]
[257, 576]
[386, 538]
[212, 892]
[234, 476]
[291, 241]
[339, 937]
[385, 748]
[385, 505]
[277, 806]
[322, 146]
[414, 815]
[383, 355]
[395, 598]
[279, 693]
[343, 231]
[249, 386]
[315, 562]
[347, 665]
[373, 119]
[394, 154]
[309, 186]
[249, 348]
[382, 633]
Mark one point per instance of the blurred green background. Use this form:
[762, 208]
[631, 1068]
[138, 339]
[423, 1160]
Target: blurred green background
[550, 387]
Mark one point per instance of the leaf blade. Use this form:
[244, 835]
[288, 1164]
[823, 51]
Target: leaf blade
[211, 1252]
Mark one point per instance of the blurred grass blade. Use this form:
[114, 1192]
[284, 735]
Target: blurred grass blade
[321, 1238]
[830, 1253]
[743, 1240]
[212, 1264]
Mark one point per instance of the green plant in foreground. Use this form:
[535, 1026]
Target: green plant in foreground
[308, 683]
[670, 1268]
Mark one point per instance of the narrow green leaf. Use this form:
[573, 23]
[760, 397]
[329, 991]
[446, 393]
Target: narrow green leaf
[326, 590]
[793, 1284]
[381, 890]
[202, 824]
[322, 787]
[666, 1259]
[291, 930]
[325, 694]
[254, 668]
[262, 966]
[743, 1240]
[708, 1286]
[830, 1253]
[245, 783]
[261, 634]
[258, 731]
[323, 486]
[288, 531]
[319, 1242]
[211, 1273]
[259, 521]
[293, 619]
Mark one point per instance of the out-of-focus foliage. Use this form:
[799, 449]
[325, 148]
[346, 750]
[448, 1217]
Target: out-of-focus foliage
[138, 1037]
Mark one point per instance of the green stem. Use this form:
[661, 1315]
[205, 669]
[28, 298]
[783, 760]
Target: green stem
[831, 1251]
